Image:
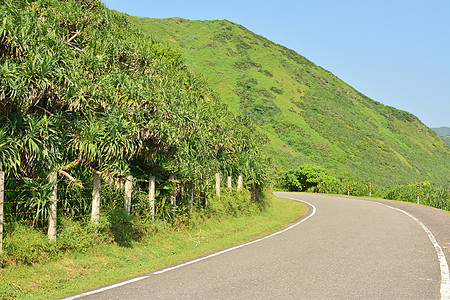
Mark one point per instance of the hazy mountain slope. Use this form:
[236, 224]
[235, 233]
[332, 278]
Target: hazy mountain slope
[444, 133]
[310, 115]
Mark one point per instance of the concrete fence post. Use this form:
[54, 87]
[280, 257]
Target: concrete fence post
[173, 195]
[240, 182]
[52, 210]
[151, 196]
[96, 199]
[348, 188]
[418, 194]
[218, 184]
[191, 202]
[127, 196]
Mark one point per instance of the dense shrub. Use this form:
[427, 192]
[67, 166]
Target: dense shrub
[84, 91]
[27, 245]
[307, 178]
[232, 203]
[125, 229]
[428, 194]
[316, 180]
[77, 236]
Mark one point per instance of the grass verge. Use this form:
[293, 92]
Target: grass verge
[75, 272]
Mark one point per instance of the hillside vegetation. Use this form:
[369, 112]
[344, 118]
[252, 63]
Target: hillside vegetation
[310, 115]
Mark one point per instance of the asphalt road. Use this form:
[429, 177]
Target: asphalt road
[346, 248]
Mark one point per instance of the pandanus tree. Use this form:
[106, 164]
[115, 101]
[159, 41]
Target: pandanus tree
[81, 87]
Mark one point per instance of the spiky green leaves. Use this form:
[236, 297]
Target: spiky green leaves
[105, 139]
[9, 155]
[86, 88]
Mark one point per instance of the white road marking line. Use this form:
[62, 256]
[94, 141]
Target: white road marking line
[445, 274]
[242, 245]
[199, 259]
[106, 288]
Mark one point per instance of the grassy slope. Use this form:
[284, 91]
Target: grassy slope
[77, 272]
[310, 115]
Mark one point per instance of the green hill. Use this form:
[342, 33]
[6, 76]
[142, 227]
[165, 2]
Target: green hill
[310, 115]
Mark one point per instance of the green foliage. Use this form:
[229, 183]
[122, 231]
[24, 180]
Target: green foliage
[124, 228]
[84, 91]
[232, 203]
[446, 139]
[307, 177]
[316, 179]
[279, 91]
[428, 195]
[107, 139]
[76, 237]
[27, 245]
[332, 186]
[36, 198]
[9, 155]
[84, 82]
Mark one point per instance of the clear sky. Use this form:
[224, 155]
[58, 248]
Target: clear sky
[396, 52]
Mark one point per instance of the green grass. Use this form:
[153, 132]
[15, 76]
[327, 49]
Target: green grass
[75, 272]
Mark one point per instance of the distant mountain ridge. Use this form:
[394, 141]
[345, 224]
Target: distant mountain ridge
[444, 133]
[309, 115]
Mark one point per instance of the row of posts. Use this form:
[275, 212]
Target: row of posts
[370, 190]
[52, 210]
[229, 179]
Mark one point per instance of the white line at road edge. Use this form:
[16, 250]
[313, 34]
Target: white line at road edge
[106, 288]
[242, 245]
[200, 259]
[445, 275]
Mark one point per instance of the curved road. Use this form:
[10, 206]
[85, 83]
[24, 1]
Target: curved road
[345, 248]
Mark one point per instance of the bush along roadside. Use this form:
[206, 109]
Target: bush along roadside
[25, 243]
[315, 179]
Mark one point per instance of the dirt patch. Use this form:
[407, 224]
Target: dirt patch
[222, 85]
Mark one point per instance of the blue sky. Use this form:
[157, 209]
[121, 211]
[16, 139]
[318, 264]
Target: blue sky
[396, 52]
